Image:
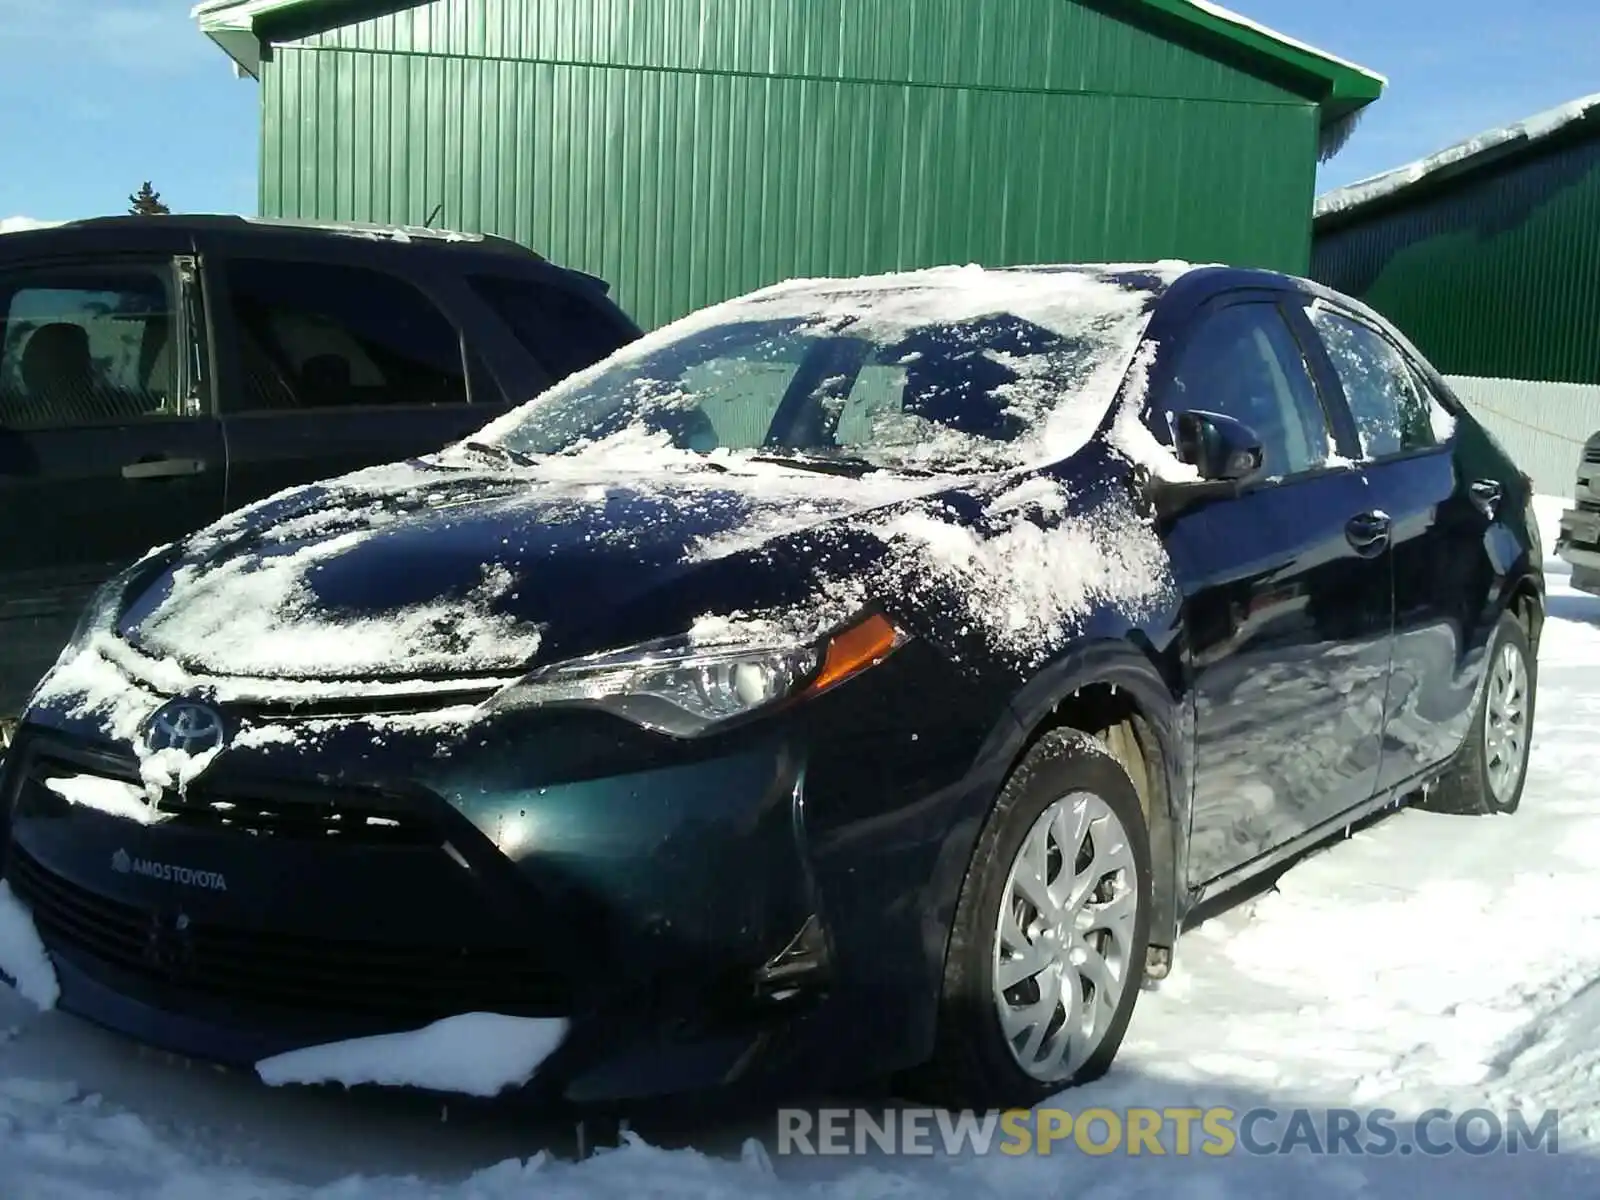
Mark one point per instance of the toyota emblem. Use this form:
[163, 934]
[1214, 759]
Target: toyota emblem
[185, 726]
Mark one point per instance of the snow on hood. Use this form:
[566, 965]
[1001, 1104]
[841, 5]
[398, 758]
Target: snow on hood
[23, 958]
[475, 1054]
[424, 570]
[1534, 129]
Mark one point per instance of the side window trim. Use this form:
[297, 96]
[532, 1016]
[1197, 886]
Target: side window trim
[1212, 307]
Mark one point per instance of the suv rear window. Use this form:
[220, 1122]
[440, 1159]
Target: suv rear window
[563, 330]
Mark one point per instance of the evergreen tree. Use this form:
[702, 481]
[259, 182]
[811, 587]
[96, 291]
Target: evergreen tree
[146, 202]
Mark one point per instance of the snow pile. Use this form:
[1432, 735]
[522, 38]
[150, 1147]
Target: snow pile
[1533, 129]
[110, 796]
[23, 959]
[475, 1054]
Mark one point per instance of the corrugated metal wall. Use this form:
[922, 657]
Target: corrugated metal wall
[1543, 426]
[1497, 277]
[689, 150]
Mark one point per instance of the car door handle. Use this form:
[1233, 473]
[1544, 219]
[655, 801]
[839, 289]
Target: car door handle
[1486, 495]
[163, 468]
[1369, 533]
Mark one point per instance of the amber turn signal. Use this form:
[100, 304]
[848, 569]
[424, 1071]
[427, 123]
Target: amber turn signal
[853, 650]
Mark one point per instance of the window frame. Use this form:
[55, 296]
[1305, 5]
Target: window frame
[193, 360]
[230, 335]
[1335, 382]
[1164, 371]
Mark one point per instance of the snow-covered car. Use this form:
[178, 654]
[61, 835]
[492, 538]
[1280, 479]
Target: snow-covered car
[1578, 540]
[858, 677]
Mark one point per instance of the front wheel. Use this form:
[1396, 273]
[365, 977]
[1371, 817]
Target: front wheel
[1491, 767]
[1047, 950]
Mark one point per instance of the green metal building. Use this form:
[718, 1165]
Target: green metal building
[1488, 255]
[690, 150]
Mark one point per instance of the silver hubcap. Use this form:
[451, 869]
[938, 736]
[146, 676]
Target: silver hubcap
[1064, 938]
[1505, 726]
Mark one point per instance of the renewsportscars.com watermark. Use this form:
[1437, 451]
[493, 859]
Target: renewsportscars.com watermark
[1210, 1132]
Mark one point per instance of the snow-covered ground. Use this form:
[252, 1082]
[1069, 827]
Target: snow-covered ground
[1424, 962]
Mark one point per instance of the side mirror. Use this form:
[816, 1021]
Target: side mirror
[1226, 453]
[1221, 449]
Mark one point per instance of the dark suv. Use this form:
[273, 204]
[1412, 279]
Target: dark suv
[158, 372]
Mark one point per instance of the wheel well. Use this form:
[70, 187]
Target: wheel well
[1113, 716]
[1525, 606]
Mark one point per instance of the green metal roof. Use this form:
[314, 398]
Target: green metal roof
[1341, 88]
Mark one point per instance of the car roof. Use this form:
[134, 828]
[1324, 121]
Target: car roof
[156, 233]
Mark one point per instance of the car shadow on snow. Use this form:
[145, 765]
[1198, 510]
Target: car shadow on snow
[222, 1122]
[1573, 606]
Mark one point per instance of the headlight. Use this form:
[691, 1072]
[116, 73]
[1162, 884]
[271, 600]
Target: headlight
[686, 689]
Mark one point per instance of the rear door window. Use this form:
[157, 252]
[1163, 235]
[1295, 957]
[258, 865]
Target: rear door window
[89, 346]
[322, 335]
[1392, 413]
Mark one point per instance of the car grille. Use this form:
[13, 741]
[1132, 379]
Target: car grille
[266, 809]
[1589, 506]
[401, 983]
[1591, 454]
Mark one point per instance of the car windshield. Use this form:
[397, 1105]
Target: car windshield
[841, 382]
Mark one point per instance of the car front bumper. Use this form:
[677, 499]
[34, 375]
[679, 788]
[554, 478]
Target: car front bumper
[767, 908]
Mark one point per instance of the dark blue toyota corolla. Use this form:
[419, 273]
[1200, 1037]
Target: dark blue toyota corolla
[859, 678]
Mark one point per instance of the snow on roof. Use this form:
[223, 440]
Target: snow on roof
[22, 224]
[1233, 18]
[1534, 129]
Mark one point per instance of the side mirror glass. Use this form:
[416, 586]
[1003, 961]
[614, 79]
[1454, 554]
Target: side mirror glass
[1221, 449]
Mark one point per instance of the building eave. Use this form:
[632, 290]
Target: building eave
[1467, 157]
[1341, 88]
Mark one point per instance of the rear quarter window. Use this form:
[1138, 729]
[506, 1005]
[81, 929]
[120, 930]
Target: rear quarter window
[561, 328]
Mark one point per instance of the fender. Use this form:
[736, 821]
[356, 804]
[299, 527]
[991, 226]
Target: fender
[1125, 666]
[1117, 663]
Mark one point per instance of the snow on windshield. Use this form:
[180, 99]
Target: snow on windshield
[948, 368]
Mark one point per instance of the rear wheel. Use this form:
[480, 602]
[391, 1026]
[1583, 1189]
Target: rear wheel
[1047, 951]
[1492, 765]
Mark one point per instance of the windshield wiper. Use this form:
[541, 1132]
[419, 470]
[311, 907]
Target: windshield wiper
[831, 464]
[501, 453]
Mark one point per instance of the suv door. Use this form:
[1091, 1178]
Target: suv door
[331, 367]
[108, 442]
[1287, 619]
[1444, 582]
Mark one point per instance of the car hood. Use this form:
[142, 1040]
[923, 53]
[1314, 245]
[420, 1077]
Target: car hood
[422, 570]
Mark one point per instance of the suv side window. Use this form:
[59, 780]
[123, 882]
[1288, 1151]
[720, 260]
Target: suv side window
[563, 332]
[1244, 362]
[1392, 414]
[321, 335]
[88, 346]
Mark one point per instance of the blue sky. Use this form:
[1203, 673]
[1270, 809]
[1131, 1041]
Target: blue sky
[99, 95]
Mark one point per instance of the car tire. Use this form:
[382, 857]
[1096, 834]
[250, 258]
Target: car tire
[1067, 785]
[1477, 784]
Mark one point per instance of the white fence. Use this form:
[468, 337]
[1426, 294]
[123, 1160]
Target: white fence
[1542, 425]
